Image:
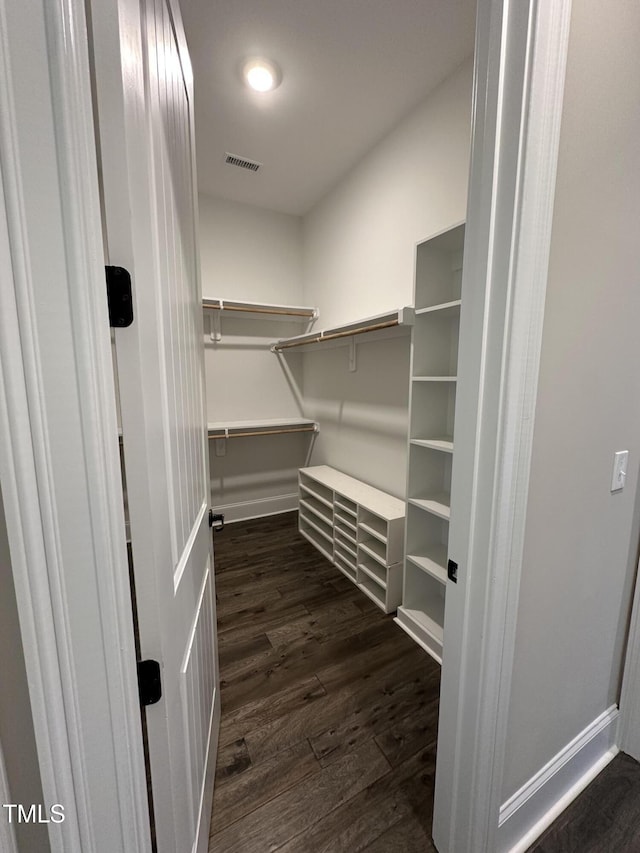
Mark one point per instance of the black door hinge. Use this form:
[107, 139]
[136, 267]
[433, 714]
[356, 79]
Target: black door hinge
[149, 682]
[216, 520]
[119, 297]
[452, 571]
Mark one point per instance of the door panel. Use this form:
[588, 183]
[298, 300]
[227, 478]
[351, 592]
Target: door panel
[145, 116]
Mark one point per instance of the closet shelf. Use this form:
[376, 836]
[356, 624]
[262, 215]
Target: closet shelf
[398, 321]
[249, 429]
[445, 444]
[452, 308]
[427, 632]
[434, 562]
[434, 378]
[262, 310]
[437, 505]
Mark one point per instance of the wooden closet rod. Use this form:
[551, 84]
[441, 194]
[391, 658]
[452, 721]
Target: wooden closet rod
[249, 433]
[346, 333]
[249, 309]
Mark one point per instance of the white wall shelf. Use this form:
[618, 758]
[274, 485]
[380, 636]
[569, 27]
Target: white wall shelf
[434, 365]
[427, 632]
[261, 310]
[434, 562]
[391, 323]
[452, 308]
[434, 378]
[445, 444]
[218, 308]
[437, 505]
[365, 525]
[269, 426]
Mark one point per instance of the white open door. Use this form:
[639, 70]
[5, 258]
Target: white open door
[144, 104]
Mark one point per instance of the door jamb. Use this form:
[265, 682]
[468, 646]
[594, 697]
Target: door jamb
[521, 51]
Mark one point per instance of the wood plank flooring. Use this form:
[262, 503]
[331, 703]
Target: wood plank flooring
[329, 711]
[605, 818]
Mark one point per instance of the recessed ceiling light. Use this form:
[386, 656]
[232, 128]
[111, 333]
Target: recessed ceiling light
[261, 75]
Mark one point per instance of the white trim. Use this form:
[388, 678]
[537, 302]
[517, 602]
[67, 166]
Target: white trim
[526, 815]
[8, 843]
[629, 729]
[71, 575]
[188, 547]
[258, 508]
[201, 843]
[520, 67]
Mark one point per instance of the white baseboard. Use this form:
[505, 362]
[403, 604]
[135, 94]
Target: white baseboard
[526, 815]
[246, 510]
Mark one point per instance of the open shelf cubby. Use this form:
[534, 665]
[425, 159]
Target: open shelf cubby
[429, 485]
[422, 610]
[435, 344]
[439, 269]
[362, 533]
[432, 414]
[427, 536]
[434, 370]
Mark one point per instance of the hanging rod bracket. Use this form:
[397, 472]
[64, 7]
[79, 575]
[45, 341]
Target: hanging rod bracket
[353, 356]
[215, 330]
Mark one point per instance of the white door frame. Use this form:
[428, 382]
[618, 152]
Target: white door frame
[59, 458]
[521, 51]
[73, 593]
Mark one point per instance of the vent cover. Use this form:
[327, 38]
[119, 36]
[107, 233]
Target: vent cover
[242, 162]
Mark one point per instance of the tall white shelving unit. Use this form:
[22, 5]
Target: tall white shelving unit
[434, 360]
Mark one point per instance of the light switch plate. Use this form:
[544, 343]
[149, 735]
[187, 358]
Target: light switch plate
[620, 463]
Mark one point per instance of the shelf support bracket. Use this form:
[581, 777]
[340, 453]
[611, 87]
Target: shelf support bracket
[215, 331]
[353, 360]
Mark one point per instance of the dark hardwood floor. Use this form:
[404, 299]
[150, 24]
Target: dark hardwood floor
[605, 818]
[329, 711]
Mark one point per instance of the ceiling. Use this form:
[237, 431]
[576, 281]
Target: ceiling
[352, 69]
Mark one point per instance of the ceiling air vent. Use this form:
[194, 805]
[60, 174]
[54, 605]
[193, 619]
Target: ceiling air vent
[242, 162]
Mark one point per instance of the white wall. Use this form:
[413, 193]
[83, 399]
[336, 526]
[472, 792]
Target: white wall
[249, 253]
[363, 416]
[359, 240]
[581, 540]
[16, 725]
[359, 253]
[254, 255]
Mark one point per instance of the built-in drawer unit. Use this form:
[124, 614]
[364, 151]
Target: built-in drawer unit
[356, 526]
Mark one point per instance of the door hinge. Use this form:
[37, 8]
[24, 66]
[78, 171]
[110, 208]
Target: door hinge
[452, 571]
[149, 682]
[216, 520]
[119, 297]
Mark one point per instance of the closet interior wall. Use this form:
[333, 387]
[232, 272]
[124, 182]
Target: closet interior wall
[251, 254]
[352, 256]
[359, 260]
